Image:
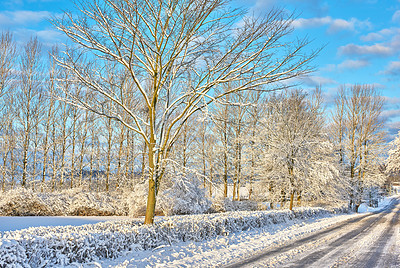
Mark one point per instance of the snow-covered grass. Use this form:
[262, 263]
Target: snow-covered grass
[65, 245]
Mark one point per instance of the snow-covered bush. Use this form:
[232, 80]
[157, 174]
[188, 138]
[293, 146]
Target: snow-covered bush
[12, 254]
[93, 204]
[226, 204]
[185, 196]
[25, 202]
[134, 202]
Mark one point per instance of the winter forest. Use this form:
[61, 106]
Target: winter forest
[183, 107]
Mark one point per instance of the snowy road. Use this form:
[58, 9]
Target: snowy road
[370, 240]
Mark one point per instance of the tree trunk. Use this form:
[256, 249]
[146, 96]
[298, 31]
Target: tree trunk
[299, 198]
[234, 191]
[151, 197]
[291, 200]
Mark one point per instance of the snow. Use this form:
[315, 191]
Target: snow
[364, 208]
[207, 240]
[67, 245]
[224, 249]
[18, 223]
[231, 248]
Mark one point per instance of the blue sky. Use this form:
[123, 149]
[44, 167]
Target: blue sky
[361, 39]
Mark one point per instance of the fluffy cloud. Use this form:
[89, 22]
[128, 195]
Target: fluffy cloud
[353, 64]
[393, 68]
[314, 81]
[317, 7]
[335, 25]
[381, 35]
[396, 16]
[313, 22]
[373, 50]
[22, 17]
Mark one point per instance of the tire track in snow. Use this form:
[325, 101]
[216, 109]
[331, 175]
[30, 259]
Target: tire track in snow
[380, 255]
[336, 242]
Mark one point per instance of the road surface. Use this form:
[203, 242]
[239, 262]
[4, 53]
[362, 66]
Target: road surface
[370, 240]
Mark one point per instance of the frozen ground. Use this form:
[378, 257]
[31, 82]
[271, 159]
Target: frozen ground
[289, 240]
[18, 223]
[237, 248]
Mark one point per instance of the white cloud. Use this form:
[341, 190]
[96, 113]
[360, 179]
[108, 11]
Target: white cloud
[392, 69]
[314, 81]
[374, 50]
[380, 35]
[312, 22]
[353, 64]
[396, 16]
[317, 7]
[22, 17]
[371, 37]
[335, 25]
[392, 100]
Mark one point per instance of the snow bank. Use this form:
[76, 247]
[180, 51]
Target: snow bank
[38, 247]
[363, 208]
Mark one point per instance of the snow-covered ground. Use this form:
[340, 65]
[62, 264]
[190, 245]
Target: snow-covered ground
[363, 208]
[19, 223]
[231, 248]
[241, 237]
[223, 249]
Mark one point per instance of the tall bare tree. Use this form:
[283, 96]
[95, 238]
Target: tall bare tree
[7, 61]
[7, 64]
[29, 99]
[357, 119]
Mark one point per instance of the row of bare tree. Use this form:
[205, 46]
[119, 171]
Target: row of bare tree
[280, 143]
[47, 143]
[147, 82]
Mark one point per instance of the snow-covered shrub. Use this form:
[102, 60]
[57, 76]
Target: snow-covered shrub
[92, 204]
[226, 204]
[23, 202]
[134, 202]
[12, 254]
[185, 196]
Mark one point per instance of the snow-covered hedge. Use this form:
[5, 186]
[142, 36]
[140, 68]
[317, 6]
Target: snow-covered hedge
[75, 202]
[226, 204]
[38, 247]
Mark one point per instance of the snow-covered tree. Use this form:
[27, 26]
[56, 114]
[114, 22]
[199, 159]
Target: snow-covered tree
[298, 158]
[359, 136]
[172, 55]
[393, 160]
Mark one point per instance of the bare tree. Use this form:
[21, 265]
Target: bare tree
[361, 137]
[253, 150]
[163, 43]
[29, 100]
[393, 160]
[7, 64]
[7, 61]
[223, 129]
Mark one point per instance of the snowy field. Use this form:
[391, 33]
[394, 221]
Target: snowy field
[18, 223]
[179, 241]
